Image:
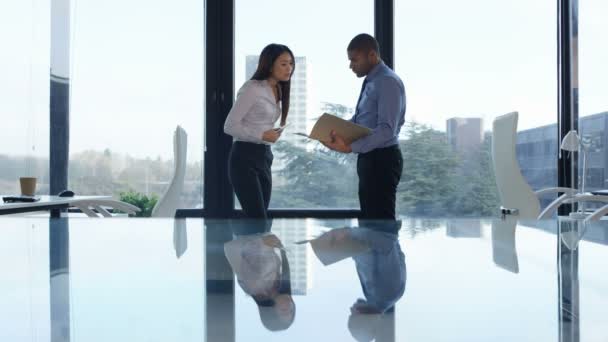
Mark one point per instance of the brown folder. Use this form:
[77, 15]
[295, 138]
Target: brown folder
[329, 250]
[327, 122]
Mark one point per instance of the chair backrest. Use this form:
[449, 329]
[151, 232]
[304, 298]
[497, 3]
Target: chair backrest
[513, 189]
[170, 201]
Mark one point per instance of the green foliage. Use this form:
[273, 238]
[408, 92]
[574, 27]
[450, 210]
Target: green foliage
[143, 202]
[428, 172]
[338, 110]
[477, 193]
[436, 181]
[315, 179]
[109, 173]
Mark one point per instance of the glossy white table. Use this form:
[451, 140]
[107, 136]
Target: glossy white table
[52, 203]
[145, 279]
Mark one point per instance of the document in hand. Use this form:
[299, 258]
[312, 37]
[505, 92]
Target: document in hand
[330, 250]
[281, 128]
[327, 122]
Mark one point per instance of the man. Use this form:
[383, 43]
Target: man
[381, 107]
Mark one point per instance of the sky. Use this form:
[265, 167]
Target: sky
[137, 66]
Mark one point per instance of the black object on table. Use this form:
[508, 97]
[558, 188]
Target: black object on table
[20, 198]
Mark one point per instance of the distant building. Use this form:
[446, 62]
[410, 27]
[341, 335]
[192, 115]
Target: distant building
[464, 134]
[537, 153]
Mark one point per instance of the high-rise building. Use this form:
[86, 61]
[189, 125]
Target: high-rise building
[298, 254]
[465, 134]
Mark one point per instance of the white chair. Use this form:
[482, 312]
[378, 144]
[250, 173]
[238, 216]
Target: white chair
[516, 196]
[170, 201]
[166, 205]
[89, 207]
[597, 214]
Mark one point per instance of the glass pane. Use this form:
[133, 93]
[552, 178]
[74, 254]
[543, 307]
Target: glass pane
[24, 85]
[593, 102]
[465, 63]
[135, 79]
[305, 174]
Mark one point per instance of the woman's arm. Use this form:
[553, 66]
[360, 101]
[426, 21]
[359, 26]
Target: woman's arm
[247, 97]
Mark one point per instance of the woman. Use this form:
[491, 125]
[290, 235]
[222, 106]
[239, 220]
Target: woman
[260, 102]
[262, 270]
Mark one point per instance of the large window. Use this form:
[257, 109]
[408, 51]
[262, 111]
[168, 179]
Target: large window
[592, 85]
[464, 63]
[137, 74]
[306, 174]
[137, 71]
[24, 89]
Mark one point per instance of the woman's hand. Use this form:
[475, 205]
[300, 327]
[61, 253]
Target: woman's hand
[271, 135]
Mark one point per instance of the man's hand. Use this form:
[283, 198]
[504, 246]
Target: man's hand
[337, 143]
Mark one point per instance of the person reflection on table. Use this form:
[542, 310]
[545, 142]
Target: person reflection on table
[380, 264]
[383, 274]
[381, 269]
[262, 269]
[370, 327]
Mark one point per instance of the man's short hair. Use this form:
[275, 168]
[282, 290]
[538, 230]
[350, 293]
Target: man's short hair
[364, 42]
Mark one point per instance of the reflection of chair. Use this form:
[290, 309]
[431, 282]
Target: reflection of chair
[180, 237]
[515, 194]
[101, 206]
[170, 201]
[571, 232]
[504, 253]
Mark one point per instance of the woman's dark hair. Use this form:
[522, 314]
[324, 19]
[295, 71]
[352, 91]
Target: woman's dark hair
[268, 315]
[267, 58]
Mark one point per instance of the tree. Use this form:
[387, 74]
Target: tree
[428, 173]
[337, 109]
[477, 194]
[315, 178]
[143, 202]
